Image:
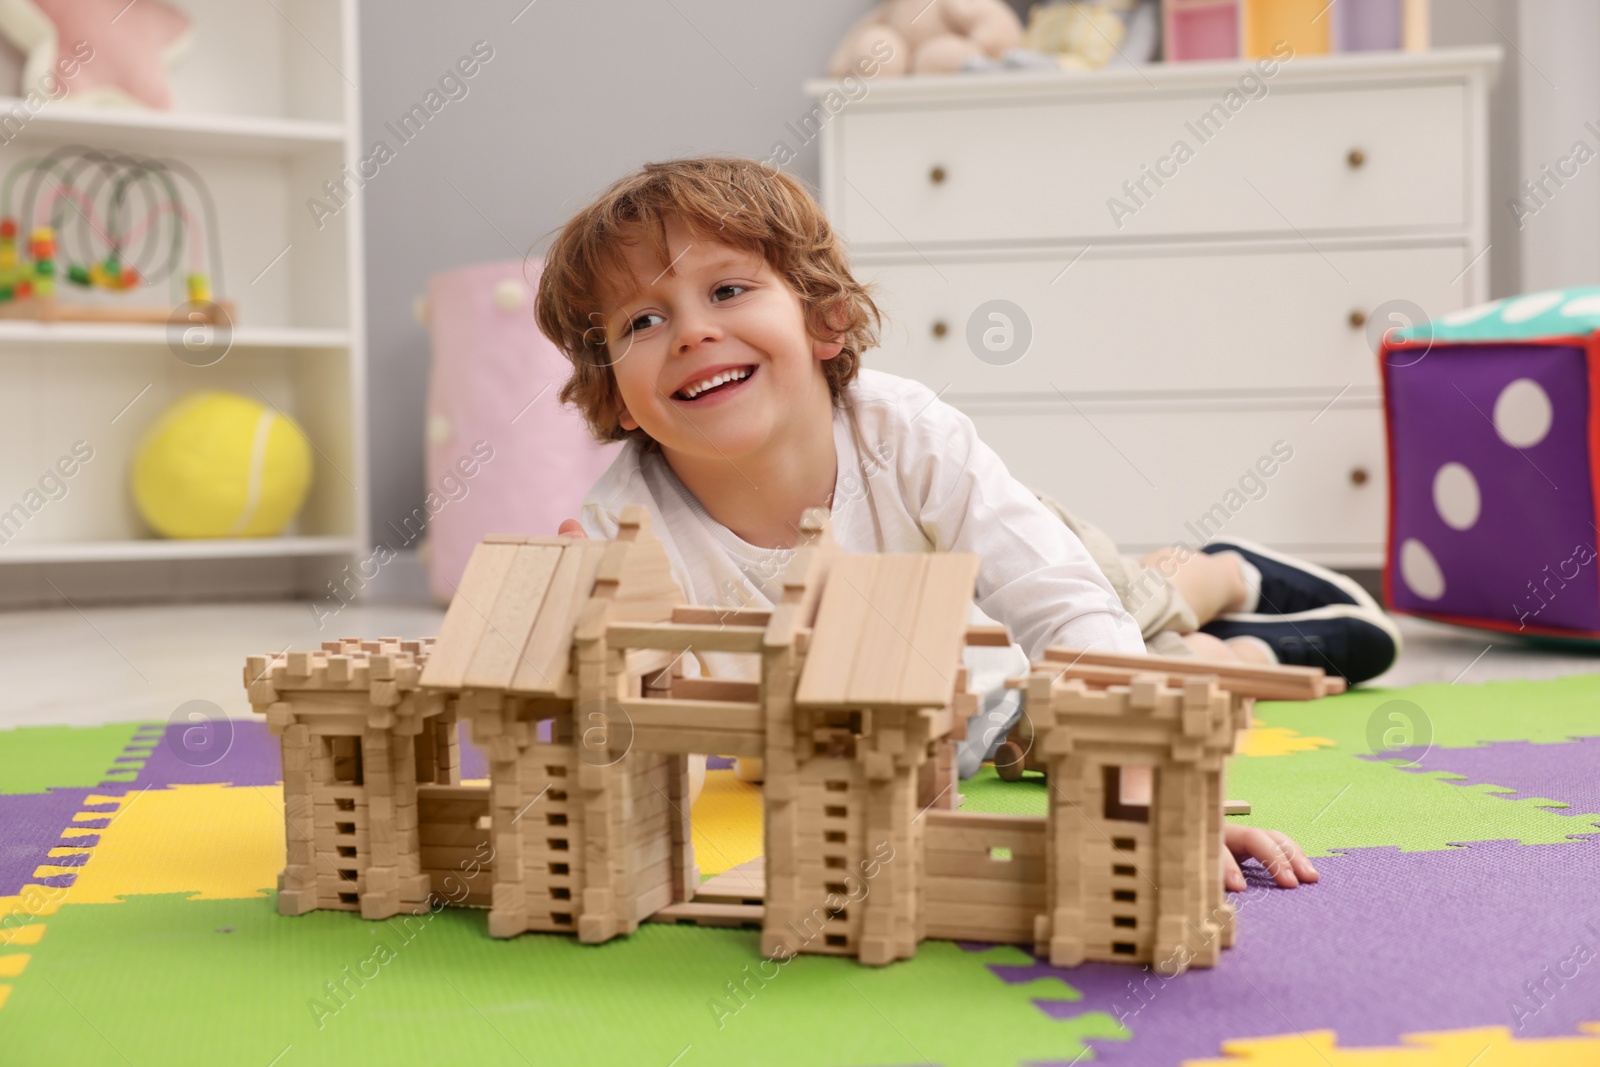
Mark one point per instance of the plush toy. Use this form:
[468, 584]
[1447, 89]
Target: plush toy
[108, 52]
[928, 37]
[221, 465]
[1090, 34]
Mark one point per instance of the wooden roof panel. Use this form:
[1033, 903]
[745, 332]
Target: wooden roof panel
[889, 631]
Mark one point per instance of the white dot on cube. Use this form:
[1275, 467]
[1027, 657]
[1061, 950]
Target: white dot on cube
[1525, 308]
[1456, 496]
[1588, 304]
[1471, 314]
[1420, 570]
[1523, 413]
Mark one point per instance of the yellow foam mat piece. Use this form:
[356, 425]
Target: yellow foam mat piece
[726, 820]
[29, 933]
[216, 842]
[1264, 740]
[1483, 1046]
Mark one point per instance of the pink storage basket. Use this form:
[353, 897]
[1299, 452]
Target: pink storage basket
[490, 363]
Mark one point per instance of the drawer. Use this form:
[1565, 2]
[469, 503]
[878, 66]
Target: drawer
[1121, 322]
[1050, 170]
[1155, 475]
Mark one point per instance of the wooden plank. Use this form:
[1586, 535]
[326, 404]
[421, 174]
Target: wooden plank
[989, 636]
[836, 634]
[715, 689]
[467, 616]
[938, 631]
[879, 659]
[646, 591]
[516, 609]
[709, 914]
[692, 714]
[710, 742]
[1266, 683]
[676, 636]
[692, 616]
[748, 881]
[546, 658]
[996, 891]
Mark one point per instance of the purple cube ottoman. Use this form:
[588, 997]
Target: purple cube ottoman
[1494, 445]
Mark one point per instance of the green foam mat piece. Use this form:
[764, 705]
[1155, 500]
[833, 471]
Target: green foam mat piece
[1450, 716]
[154, 980]
[987, 791]
[36, 758]
[1329, 801]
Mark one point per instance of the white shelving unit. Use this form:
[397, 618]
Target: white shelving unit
[267, 109]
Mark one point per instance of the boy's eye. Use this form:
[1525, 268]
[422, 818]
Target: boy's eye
[642, 322]
[731, 291]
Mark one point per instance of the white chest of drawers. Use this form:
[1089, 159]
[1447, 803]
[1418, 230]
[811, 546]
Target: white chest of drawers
[1193, 260]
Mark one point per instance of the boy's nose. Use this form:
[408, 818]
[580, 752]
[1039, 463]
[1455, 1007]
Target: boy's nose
[694, 333]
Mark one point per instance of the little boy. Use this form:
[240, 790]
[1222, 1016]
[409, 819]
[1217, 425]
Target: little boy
[714, 326]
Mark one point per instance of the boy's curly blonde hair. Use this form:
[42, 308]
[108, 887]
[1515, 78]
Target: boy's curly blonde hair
[736, 202]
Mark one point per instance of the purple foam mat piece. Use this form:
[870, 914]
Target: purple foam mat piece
[31, 825]
[1567, 771]
[1386, 943]
[239, 752]
[474, 762]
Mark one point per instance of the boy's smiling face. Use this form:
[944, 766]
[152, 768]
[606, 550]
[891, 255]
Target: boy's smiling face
[716, 310]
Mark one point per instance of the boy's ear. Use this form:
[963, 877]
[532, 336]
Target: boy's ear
[837, 320]
[624, 418]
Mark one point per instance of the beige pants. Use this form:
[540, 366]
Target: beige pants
[1154, 602]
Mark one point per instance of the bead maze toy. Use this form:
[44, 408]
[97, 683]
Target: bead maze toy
[107, 224]
[567, 658]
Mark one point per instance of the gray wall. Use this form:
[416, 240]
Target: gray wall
[580, 93]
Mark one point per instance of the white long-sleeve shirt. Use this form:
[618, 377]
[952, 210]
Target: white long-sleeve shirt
[913, 476]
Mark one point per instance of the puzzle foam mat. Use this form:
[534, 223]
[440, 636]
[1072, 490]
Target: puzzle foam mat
[1457, 923]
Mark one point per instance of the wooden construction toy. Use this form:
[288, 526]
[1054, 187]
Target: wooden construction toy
[358, 738]
[1019, 752]
[568, 658]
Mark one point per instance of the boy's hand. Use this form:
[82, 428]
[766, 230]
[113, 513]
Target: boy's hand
[571, 528]
[1282, 858]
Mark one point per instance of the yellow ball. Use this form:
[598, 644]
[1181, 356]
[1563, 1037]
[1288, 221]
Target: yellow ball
[221, 465]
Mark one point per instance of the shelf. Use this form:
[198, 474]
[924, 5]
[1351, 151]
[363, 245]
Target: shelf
[155, 551]
[155, 132]
[18, 331]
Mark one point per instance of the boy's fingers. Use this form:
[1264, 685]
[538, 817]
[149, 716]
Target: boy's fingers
[571, 528]
[1299, 862]
[1232, 876]
[1270, 854]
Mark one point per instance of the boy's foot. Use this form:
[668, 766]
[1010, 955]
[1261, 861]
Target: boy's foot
[1290, 585]
[1342, 639]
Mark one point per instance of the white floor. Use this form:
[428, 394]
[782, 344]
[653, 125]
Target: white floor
[115, 664]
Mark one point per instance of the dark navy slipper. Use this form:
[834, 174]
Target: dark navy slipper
[1290, 585]
[1352, 642]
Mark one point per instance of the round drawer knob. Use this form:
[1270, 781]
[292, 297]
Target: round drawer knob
[936, 175]
[1356, 158]
[1358, 476]
[940, 329]
[1358, 319]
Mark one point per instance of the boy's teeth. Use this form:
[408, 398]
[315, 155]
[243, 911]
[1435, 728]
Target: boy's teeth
[715, 380]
